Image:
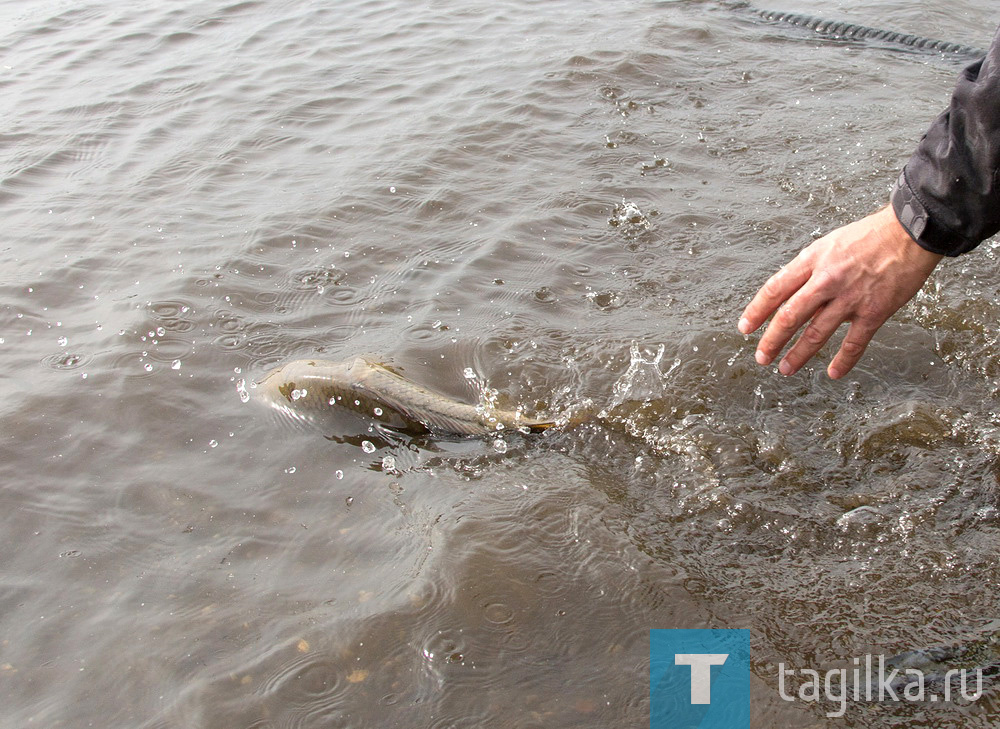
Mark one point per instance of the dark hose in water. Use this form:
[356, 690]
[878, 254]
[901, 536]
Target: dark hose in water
[853, 31]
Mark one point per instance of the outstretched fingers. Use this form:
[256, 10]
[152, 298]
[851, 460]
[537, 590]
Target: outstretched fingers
[852, 348]
[824, 323]
[778, 289]
[808, 303]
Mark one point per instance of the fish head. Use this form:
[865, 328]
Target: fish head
[292, 381]
[324, 393]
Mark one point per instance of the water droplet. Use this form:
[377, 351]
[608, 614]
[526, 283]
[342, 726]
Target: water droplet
[338, 473]
[62, 341]
[367, 446]
[148, 367]
[500, 445]
[290, 469]
[296, 394]
[160, 331]
[349, 500]
[213, 443]
[388, 463]
[175, 365]
[241, 388]
[470, 374]
[378, 412]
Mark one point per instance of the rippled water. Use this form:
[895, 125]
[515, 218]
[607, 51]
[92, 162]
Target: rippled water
[548, 194]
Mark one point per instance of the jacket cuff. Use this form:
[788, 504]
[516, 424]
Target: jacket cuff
[917, 221]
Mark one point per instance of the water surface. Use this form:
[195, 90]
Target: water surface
[546, 193]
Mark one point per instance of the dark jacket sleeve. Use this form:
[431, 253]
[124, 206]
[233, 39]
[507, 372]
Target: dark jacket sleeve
[948, 195]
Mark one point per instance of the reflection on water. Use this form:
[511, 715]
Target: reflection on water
[568, 201]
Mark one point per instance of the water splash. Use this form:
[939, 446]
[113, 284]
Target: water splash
[630, 220]
[644, 380]
[487, 398]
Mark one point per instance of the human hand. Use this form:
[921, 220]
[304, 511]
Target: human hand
[860, 273]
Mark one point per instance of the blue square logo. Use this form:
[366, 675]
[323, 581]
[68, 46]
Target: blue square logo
[699, 679]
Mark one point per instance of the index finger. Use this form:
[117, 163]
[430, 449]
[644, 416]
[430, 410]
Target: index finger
[775, 291]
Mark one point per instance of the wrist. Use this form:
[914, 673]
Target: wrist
[899, 240]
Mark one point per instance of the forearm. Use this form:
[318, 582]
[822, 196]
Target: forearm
[948, 195]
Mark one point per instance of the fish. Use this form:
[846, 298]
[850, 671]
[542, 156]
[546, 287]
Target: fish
[307, 388]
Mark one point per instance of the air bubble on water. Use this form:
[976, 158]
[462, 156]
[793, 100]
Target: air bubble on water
[175, 365]
[388, 463]
[148, 367]
[378, 412]
[213, 443]
[500, 445]
[62, 341]
[338, 474]
[392, 189]
[296, 394]
[470, 374]
[290, 469]
[367, 446]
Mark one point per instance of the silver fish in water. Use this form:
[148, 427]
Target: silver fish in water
[310, 387]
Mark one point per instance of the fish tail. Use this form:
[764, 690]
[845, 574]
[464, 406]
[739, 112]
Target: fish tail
[542, 426]
[574, 419]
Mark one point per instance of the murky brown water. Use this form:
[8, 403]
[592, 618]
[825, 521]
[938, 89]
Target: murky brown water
[193, 192]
